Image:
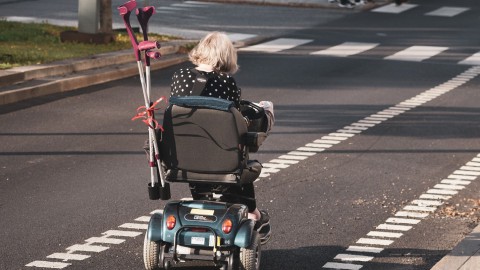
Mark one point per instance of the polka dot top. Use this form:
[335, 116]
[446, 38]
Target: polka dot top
[220, 85]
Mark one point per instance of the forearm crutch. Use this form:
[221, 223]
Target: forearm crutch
[143, 15]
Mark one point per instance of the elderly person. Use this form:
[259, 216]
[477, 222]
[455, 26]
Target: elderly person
[216, 59]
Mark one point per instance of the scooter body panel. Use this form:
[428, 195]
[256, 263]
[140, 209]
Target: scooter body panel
[199, 224]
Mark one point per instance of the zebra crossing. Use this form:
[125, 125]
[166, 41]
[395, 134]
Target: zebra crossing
[413, 53]
[446, 11]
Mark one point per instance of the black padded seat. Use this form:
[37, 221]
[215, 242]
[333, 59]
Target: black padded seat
[204, 141]
[249, 174]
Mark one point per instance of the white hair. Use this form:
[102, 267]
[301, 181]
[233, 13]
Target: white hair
[216, 50]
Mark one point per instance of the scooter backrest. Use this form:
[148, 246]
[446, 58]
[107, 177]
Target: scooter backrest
[203, 135]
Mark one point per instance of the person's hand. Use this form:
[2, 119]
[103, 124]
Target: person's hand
[268, 107]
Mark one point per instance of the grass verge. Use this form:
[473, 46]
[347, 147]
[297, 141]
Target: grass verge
[24, 44]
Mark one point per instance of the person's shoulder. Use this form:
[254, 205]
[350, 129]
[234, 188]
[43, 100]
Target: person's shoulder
[226, 76]
[182, 71]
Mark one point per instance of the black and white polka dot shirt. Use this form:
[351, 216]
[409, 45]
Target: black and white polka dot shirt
[220, 85]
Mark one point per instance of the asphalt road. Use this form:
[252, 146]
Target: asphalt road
[72, 166]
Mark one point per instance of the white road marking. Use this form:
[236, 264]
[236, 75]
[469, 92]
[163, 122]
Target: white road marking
[134, 226]
[68, 256]
[455, 182]
[318, 145]
[372, 241]
[416, 53]
[474, 164]
[403, 221]
[300, 153]
[392, 227]
[143, 219]
[435, 197]
[351, 257]
[419, 208]
[290, 157]
[105, 240]
[411, 214]
[346, 49]
[311, 149]
[447, 11]
[462, 177]
[270, 170]
[87, 248]
[384, 234]
[427, 202]
[343, 266]
[452, 187]
[470, 168]
[442, 191]
[235, 37]
[275, 165]
[47, 264]
[122, 233]
[277, 45]
[364, 249]
[284, 161]
[393, 8]
[413, 211]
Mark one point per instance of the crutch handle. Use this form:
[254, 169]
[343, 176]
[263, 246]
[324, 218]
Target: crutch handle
[148, 45]
[127, 7]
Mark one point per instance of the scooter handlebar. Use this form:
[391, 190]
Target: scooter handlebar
[148, 45]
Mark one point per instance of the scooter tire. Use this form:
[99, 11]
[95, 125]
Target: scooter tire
[250, 256]
[151, 254]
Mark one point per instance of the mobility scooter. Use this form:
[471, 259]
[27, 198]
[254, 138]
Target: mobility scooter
[206, 140]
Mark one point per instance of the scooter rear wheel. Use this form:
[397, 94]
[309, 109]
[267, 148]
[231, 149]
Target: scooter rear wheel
[250, 256]
[151, 254]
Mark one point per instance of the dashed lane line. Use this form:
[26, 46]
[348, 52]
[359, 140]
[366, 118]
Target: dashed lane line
[394, 227]
[372, 244]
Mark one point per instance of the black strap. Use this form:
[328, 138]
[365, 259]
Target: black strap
[200, 82]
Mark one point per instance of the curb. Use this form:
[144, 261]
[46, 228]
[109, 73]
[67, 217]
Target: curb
[73, 74]
[80, 81]
[465, 256]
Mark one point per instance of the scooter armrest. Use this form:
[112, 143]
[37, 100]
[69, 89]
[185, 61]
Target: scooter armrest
[254, 140]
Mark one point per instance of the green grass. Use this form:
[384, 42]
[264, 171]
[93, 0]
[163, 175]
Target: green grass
[24, 44]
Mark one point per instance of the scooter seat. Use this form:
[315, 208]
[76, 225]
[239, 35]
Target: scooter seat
[249, 174]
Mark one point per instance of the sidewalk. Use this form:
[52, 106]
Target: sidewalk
[465, 256]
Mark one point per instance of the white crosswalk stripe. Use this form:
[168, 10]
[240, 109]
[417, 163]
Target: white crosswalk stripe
[347, 49]
[417, 53]
[393, 8]
[414, 53]
[473, 60]
[447, 11]
[277, 45]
